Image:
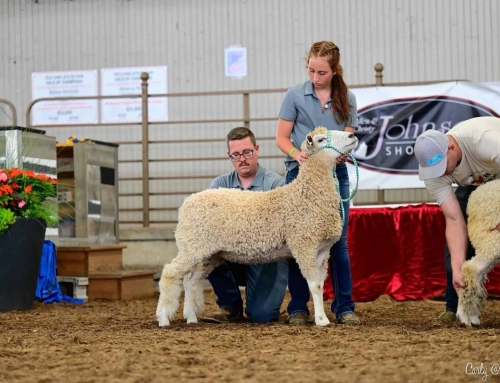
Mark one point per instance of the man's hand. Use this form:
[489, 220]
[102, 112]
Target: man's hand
[457, 280]
[456, 237]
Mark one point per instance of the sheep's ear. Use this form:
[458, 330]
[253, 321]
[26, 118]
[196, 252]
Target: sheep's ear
[309, 141]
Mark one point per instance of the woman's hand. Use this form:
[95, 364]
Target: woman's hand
[342, 158]
[300, 156]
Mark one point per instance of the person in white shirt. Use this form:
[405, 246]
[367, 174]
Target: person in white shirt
[467, 155]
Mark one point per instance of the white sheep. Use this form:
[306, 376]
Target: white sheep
[300, 219]
[483, 211]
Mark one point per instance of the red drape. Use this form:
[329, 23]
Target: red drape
[399, 252]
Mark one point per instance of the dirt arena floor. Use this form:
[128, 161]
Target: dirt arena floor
[120, 342]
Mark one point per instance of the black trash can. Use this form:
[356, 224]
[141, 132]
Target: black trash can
[21, 247]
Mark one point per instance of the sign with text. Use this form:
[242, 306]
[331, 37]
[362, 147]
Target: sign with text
[64, 84]
[391, 118]
[124, 81]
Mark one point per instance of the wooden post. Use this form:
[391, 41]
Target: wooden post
[145, 150]
[246, 110]
[381, 196]
[378, 74]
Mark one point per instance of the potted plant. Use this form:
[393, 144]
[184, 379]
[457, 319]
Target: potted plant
[23, 220]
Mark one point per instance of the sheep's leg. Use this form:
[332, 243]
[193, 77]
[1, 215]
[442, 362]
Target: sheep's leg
[171, 287]
[322, 262]
[314, 271]
[189, 311]
[193, 296]
[472, 297]
[208, 266]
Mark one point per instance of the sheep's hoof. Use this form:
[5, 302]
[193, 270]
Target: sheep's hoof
[162, 319]
[322, 321]
[468, 320]
[164, 323]
[474, 320]
[462, 316]
[192, 320]
[465, 321]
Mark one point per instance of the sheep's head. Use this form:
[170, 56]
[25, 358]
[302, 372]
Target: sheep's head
[323, 139]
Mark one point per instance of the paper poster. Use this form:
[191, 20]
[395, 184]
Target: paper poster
[64, 84]
[235, 61]
[124, 81]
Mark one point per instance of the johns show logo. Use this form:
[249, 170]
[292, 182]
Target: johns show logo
[387, 131]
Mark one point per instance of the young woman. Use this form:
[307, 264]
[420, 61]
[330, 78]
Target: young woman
[323, 100]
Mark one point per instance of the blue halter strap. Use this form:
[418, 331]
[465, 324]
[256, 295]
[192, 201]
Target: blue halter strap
[351, 196]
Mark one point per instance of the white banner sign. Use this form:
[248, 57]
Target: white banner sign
[64, 84]
[495, 85]
[124, 81]
[391, 118]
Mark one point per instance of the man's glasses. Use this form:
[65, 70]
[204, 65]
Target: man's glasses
[246, 154]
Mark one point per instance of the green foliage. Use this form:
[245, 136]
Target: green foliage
[7, 218]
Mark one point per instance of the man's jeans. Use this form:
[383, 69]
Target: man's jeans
[462, 193]
[340, 266]
[265, 288]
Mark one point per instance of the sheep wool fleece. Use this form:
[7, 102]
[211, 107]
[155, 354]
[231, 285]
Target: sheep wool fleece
[207, 219]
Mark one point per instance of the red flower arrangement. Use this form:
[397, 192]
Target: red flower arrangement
[22, 194]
